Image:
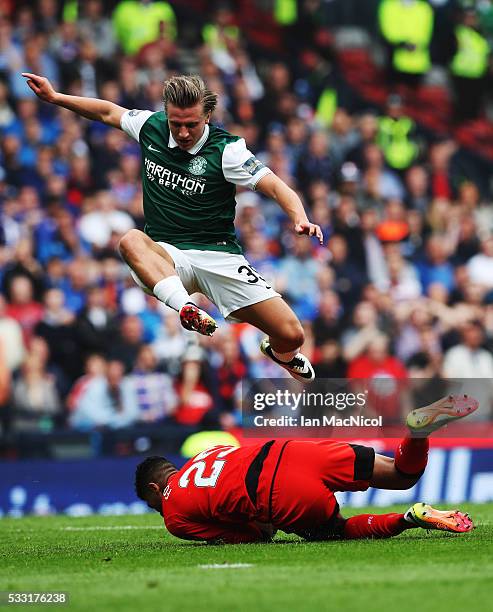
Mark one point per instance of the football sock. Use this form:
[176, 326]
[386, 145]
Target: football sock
[172, 292]
[411, 456]
[374, 526]
[284, 357]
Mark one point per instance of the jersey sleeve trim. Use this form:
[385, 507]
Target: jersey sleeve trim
[261, 175]
[133, 120]
[240, 166]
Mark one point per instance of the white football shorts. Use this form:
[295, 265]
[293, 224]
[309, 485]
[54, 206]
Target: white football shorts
[227, 279]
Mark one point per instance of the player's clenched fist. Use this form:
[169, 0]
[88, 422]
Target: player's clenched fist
[41, 86]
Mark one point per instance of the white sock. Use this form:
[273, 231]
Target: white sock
[171, 291]
[284, 357]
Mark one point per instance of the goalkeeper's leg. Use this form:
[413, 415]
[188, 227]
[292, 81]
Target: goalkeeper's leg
[420, 515]
[381, 526]
[411, 455]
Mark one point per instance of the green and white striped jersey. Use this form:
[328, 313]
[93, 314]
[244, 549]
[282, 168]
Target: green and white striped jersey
[189, 196]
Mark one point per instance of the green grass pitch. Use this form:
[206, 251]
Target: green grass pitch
[131, 563]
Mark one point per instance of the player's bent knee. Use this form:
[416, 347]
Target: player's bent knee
[387, 476]
[399, 481]
[131, 243]
[405, 482]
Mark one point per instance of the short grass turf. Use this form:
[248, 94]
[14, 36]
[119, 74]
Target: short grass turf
[131, 563]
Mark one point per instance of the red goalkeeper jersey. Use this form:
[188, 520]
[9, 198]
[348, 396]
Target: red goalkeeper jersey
[208, 498]
[224, 492]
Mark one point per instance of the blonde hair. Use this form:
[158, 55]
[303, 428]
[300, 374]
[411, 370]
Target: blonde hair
[188, 90]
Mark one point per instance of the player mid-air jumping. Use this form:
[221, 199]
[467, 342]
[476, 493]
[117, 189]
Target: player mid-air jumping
[244, 494]
[190, 170]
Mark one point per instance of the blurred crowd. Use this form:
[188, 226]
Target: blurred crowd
[402, 287]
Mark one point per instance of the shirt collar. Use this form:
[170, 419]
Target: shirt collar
[197, 146]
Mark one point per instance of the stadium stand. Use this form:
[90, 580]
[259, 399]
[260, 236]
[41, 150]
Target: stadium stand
[400, 180]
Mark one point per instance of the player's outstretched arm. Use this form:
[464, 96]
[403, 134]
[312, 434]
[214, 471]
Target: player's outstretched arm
[91, 108]
[275, 188]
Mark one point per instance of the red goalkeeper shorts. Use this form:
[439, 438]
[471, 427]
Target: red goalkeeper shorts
[298, 479]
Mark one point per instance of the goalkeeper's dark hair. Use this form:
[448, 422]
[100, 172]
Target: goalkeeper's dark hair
[153, 469]
[188, 90]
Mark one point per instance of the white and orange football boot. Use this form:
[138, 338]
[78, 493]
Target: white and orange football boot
[454, 521]
[424, 421]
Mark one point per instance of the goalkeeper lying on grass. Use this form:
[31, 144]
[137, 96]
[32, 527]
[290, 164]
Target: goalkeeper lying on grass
[245, 494]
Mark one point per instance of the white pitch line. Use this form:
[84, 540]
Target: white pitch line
[225, 565]
[110, 528]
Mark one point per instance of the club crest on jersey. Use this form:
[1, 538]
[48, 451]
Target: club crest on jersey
[197, 165]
